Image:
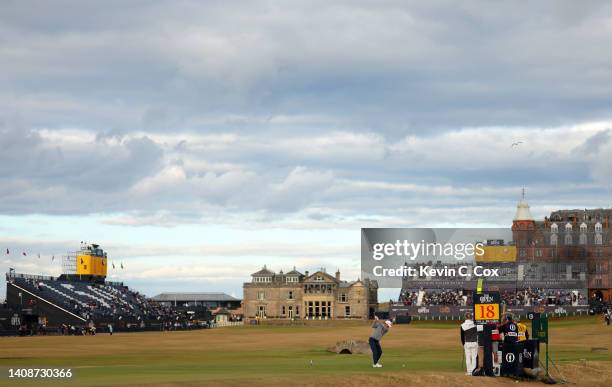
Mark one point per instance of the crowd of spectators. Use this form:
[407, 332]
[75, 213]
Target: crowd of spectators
[540, 296]
[422, 297]
[519, 297]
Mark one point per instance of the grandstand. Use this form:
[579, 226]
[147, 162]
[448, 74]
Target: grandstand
[81, 296]
[82, 300]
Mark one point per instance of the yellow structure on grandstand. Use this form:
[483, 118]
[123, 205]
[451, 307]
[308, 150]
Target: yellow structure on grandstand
[90, 260]
[496, 254]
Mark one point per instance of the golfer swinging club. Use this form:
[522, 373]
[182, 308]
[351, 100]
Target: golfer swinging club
[379, 331]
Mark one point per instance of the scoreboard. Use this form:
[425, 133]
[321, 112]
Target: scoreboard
[486, 307]
[486, 312]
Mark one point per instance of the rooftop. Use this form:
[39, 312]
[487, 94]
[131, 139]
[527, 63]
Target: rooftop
[263, 272]
[193, 296]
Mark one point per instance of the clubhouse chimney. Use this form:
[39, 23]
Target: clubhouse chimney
[338, 275]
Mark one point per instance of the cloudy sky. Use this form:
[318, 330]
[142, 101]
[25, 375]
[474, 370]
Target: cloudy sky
[198, 141]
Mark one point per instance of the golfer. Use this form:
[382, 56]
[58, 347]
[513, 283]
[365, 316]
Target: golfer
[379, 331]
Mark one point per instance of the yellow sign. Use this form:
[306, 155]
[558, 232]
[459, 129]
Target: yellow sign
[496, 254]
[91, 265]
[486, 312]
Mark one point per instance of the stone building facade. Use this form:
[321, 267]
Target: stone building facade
[294, 295]
[580, 236]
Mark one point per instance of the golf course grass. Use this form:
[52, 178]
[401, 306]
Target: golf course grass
[423, 353]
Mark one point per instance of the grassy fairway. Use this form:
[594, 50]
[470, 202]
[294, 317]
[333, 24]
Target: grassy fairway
[422, 353]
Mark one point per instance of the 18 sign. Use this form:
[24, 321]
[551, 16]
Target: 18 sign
[486, 312]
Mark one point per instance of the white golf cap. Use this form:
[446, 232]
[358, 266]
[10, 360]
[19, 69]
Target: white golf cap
[389, 323]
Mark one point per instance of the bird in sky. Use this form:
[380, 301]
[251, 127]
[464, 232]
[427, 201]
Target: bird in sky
[517, 143]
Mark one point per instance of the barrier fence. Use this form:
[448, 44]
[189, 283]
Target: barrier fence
[441, 312]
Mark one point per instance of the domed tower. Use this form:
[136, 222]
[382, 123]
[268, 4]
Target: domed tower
[523, 230]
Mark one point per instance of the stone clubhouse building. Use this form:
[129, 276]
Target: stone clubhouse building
[317, 296]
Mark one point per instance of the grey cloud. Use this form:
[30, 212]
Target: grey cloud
[298, 190]
[194, 178]
[95, 165]
[38, 175]
[593, 144]
[393, 67]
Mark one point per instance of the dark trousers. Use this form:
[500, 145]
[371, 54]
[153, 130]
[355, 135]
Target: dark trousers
[376, 350]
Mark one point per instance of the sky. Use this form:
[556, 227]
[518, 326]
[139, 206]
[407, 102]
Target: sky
[197, 141]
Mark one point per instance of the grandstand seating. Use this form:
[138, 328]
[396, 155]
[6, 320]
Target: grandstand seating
[93, 301]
